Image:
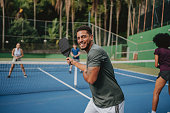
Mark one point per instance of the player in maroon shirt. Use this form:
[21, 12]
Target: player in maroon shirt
[162, 61]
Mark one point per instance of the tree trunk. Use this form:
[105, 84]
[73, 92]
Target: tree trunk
[145, 16]
[105, 21]
[133, 22]
[162, 13]
[117, 16]
[96, 28]
[72, 18]
[99, 29]
[117, 25]
[139, 18]
[110, 24]
[153, 14]
[67, 3]
[117, 32]
[93, 29]
[3, 24]
[129, 20]
[35, 3]
[67, 26]
[61, 5]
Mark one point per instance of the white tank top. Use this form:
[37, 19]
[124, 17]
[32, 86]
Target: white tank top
[17, 52]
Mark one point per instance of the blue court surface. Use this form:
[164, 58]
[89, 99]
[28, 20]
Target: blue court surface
[48, 90]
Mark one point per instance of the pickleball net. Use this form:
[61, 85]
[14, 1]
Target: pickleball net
[41, 77]
[55, 76]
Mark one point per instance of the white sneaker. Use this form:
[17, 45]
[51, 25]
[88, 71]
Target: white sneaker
[25, 76]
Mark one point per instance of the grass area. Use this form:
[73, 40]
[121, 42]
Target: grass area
[147, 70]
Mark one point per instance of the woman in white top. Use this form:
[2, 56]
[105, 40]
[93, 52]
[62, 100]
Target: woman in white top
[17, 54]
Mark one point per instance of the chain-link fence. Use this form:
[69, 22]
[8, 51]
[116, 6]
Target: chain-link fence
[43, 38]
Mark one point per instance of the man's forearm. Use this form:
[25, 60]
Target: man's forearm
[79, 65]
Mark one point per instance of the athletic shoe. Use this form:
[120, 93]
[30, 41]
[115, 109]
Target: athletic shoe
[8, 76]
[25, 76]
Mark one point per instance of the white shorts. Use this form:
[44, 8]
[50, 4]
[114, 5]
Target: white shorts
[92, 108]
[15, 60]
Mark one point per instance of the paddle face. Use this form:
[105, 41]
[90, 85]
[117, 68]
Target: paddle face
[64, 47]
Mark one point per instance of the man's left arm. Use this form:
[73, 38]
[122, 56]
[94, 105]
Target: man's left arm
[90, 75]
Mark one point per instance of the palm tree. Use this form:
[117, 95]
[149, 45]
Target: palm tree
[94, 9]
[35, 3]
[139, 4]
[110, 23]
[100, 11]
[24, 4]
[133, 22]
[139, 17]
[3, 24]
[118, 8]
[105, 20]
[162, 13]
[152, 14]
[72, 17]
[129, 2]
[145, 15]
[75, 5]
[67, 7]
[59, 7]
[100, 29]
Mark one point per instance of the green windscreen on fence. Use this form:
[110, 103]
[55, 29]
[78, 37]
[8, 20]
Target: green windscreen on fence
[144, 45]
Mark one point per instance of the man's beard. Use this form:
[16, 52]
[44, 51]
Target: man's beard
[87, 47]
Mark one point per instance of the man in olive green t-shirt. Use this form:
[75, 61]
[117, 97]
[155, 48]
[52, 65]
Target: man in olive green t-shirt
[98, 72]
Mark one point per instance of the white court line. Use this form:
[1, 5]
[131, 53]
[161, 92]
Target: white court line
[65, 84]
[136, 72]
[136, 77]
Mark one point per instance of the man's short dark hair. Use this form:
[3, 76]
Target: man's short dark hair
[84, 27]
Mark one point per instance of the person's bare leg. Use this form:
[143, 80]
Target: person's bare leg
[23, 70]
[70, 68]
[160, 83]
[10, 71]
[169, 87]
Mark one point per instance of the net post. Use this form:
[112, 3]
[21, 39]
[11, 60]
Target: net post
[75, 77]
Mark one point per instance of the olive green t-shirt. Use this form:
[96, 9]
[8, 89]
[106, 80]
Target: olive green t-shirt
[105, 91]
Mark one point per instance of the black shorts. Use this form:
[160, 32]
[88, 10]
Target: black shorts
[165, 75]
